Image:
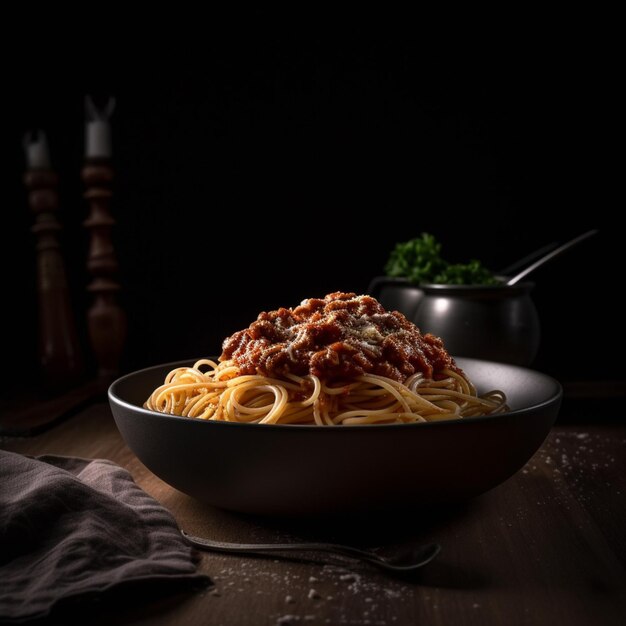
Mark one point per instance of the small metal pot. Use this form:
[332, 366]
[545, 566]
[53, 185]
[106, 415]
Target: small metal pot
[498, 323]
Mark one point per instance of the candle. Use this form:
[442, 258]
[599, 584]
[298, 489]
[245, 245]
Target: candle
[36, 149]
[98, 139]
[98, 130]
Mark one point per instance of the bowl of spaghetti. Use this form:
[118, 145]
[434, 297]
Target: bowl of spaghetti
[335, 405]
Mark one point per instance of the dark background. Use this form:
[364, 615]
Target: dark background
[285, 173]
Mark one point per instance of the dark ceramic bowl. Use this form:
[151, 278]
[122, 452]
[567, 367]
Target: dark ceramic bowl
[493, 322]
[299, 470]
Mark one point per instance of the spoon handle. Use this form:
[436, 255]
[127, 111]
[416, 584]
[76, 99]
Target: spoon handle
[262, 549]
[550, 256]
[529, 258]
[224, 546]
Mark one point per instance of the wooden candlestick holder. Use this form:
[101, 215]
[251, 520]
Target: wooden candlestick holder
[59, 349]
[106, 319]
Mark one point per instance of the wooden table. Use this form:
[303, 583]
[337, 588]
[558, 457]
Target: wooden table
[546, 547]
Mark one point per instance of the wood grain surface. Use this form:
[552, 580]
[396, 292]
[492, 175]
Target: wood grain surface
[546, 547]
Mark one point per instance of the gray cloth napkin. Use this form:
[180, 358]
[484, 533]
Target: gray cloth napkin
[70, 527]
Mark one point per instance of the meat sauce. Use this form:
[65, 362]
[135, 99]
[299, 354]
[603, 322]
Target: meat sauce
[336, 339]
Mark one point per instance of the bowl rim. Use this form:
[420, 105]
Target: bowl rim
[440, 288]
[500, 289]
[555, 397]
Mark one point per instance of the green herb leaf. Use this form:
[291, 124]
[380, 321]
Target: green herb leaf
[420, 261]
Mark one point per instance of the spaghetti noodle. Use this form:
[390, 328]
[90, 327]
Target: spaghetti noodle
[341, 360]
